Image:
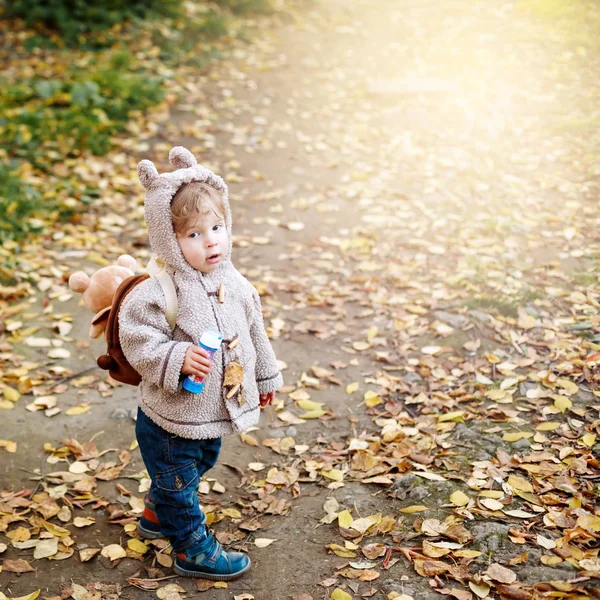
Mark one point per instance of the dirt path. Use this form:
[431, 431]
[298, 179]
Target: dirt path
[404, 182]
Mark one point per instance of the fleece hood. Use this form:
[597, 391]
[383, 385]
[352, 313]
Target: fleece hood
[160, 190]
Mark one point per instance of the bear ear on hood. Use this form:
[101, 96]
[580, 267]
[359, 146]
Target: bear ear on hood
[182, 158]
[147, 173]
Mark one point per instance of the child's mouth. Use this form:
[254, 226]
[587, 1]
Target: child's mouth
[215, 258]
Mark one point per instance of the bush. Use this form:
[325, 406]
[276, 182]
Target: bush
[46, 120]
[73, 19]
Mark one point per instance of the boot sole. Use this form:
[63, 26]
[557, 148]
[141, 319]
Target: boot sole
[185, 573]
[147, 534]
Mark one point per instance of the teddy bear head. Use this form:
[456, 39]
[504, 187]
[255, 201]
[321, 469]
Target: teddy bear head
[98, 290]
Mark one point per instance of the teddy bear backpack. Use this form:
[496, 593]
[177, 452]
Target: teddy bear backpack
[124, 279]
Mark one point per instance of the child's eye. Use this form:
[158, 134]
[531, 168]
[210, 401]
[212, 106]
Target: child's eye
[193, 234]
[217, 227]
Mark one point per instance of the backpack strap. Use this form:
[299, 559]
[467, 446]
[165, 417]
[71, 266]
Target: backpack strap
[156, 269]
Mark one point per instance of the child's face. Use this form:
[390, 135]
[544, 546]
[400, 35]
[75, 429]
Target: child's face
[205, 242]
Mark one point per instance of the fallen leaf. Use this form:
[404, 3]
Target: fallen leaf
[113, 552]
[499, 573]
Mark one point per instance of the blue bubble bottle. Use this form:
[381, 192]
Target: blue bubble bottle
[210, 340]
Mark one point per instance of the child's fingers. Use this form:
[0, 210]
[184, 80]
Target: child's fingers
[201, 368]
[200, 354]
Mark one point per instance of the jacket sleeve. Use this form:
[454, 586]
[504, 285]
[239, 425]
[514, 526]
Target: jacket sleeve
[147, 342]
[268, 377]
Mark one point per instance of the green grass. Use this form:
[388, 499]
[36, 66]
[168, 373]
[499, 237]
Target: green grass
[44, 121]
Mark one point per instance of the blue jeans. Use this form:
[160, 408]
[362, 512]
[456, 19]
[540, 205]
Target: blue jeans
[175, 465]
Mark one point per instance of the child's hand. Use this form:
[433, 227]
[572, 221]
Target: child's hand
[196, 362]
[266, 399]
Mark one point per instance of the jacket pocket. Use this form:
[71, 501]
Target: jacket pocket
[178, 479]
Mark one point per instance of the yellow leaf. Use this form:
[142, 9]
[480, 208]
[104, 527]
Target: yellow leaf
[234, 513]
[501, 396]
[341, 551]
[372, 332]
[467, 553]
[372, 399]
[339, 594]
[31, 596]
[365, 523]
[11, 394]
[456, 415]
[248, 439]
[6, 405]
[351, 388]
[491, 494]
[334, 474]
[589, 439]
[549, 426]
[589, 522]
[221, 585]
[550, 560]
[567, 385]
[10, 446]
[520, 484]
[133, 445]
[516, 435]
[562, 403]
[55, 530]
[459, 498]
[310, 404]
[137, 546]
[313, 414]
[372, 402]
[345, 519]
[415, 508]
[78, 410]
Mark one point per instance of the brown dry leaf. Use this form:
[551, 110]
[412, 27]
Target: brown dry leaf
[429, 568]
[373, 551]
[234, 375]
[170, 592]
[16, 566]
[203, 585]
[501, 574]
[88, 553]
[460, 594]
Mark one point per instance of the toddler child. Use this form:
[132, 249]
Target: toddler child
[179, 433]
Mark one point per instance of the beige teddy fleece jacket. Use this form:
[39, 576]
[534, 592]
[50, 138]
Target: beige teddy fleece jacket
[158, 354]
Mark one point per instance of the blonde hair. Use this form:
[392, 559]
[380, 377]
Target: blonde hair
[193, 200]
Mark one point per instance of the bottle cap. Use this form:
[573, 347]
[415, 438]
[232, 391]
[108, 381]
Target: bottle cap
[211, 338]
[192, 386]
